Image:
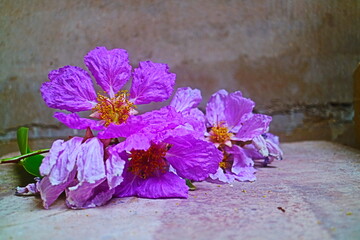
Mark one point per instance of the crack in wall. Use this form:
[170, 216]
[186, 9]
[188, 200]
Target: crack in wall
[342, 111]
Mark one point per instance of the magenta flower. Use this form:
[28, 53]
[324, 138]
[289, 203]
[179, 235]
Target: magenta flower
[264, 149]
[70, 88]
[230, 120]
[159, 156]
[77, 167]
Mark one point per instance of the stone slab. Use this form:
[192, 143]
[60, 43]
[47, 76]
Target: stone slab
[312, 194]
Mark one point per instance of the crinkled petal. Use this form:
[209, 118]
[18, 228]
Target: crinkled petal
[260, 144]
[167, 185]
[236, 111]
[252, 152]
[114, 170]
[215, 108]
[74, 121]
[49, 160]
[70, 88]
[247, 174]
[128, 187]
[152, 82]
[111, 68]
[65, 162]
[196, 120]
[243, 166]
[133, 125]
[275, 152]
[137, 141]
[154, 121]
[90, 161]
[193, 158]
[91, 189]
[28, 190]
[49, 192]
[271, 137]
[221, 177]
[256, 125]
[61, 163]
[185, 99]
[88, 195]
[58, 163]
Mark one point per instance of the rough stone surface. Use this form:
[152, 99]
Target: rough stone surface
[312, 194]
[294, 58]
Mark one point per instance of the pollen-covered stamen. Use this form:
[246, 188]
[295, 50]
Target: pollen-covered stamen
[220, 134]
[113, 110]
[149, 163]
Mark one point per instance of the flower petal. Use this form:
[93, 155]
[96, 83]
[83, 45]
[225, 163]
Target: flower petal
[111, 68]
[215, 108]
[152, 82]
[221, 177]
[236, 111]
[150, 122]
[49, 192]
[129, 185]
[167, 185]
[49, 160]
[74, 121]
[90, 161]
[275, 152]
[29, 190]
[185, 99]
[114, 168]
[193, 158]
[196, 120]
[65, 162]
[256, 125]
[91, 189]
[271, 137]
[242, 167]
[61, 163]
[260, 144]
[88, 195]
[70, 88]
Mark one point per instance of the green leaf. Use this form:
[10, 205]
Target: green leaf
[190, 185]
[31, 164]
[22, 140]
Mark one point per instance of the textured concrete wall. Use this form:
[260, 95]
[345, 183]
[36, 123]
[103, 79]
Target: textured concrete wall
[294, 58]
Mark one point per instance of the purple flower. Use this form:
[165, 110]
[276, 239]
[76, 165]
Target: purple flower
[77, 167]
[264, 149]
[230, 120]
[159, 156]
[70, 88]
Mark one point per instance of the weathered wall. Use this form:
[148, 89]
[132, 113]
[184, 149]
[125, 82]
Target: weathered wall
[294, 58]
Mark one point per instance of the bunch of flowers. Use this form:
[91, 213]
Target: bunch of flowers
[156, 154]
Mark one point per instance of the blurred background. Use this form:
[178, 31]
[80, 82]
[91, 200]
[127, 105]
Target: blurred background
[295, 59]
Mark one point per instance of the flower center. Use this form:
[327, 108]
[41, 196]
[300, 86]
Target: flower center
[113, 110]
[220, 134]
[149, 163]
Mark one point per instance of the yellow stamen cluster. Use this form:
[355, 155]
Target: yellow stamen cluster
[220, 134]
[113, 110]
[148, 163]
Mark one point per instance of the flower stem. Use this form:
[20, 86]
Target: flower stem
[26, 155]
